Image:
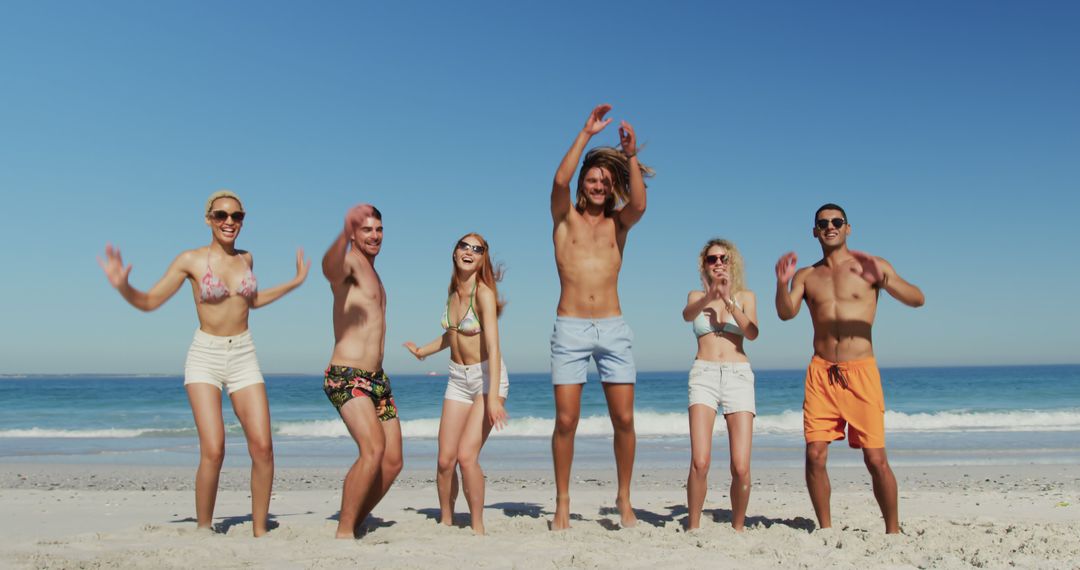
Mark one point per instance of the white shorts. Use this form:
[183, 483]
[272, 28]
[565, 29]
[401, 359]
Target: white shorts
[224, 361]
[469, 381]
[725, 385]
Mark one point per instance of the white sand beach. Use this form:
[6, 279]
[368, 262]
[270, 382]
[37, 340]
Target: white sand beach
[98, 516]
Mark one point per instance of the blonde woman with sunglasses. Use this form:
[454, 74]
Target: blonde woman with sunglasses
[222, 354]
[476, 392]
[724, 315]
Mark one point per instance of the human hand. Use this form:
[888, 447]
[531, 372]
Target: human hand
[113, 266]
[785, 267]
[596, 121]
[870, 270]
[627, 139]
[497, 413]
[302, 266]
[415, 350]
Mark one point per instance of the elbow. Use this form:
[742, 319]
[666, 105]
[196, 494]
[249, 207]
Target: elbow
[751, 333]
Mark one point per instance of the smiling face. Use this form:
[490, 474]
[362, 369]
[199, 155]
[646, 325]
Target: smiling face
[368, 235]
[826, 231]
[222, 219]
[596, 186]
[466, 257]
[720, 265]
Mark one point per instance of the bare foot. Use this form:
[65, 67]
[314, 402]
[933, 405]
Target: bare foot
[340, 534]
[478, 529]
[562, 514]
[627, 518]
[259, 532]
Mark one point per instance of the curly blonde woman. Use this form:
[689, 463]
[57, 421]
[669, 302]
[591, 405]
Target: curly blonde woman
[724, 315]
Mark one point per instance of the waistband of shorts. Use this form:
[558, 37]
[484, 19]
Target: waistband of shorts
[462, 367]
[714, 365]
[819, 362]
[353, 371]
[580, 320]
[214, 339]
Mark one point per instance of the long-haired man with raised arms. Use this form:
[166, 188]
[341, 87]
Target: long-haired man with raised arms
[589, 235]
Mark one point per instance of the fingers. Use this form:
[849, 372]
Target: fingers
[601, 110]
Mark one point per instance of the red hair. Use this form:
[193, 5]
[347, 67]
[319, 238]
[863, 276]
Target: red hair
[489, 274]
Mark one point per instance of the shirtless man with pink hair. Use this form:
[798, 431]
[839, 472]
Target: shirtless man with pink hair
[355, 382]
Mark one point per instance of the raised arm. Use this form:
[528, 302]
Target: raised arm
[788, 299]
[880, 273]
[746, 314]
[634, 209]
[163, 290]
[267, 296]
[560, 188]
[333, 261]
[695, 303]
[489, 323]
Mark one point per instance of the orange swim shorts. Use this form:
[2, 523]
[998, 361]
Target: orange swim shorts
[840, 394]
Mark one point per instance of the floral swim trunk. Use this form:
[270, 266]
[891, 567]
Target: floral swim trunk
[343, 383]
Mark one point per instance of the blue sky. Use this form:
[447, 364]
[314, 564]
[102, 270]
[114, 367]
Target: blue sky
[950, 131]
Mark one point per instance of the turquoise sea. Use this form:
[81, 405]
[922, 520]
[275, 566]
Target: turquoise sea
[955, 415]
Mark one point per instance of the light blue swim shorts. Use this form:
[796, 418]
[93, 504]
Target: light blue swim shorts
[608, 341]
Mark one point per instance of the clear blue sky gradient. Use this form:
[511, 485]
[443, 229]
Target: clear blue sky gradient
[949, 130]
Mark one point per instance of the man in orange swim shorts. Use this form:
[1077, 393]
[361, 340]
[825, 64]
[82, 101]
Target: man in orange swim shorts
[843, 386]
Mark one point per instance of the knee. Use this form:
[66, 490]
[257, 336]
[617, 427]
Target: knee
[213, 454]
[816, 458]
[623, 421]
[447, 462]
[876, 464]
[261, 451]
[565, 424]
[393, 464]
[700, 465]
[468, 460]
[373, 453]
[740, 472]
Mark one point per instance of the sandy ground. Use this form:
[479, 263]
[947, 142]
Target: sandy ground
[80, 516]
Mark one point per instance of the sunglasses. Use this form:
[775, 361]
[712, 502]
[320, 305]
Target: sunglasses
[477, 249]
[222, 215]
[823, 224]
[712, 259]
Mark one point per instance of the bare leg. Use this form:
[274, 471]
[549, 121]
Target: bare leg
[472, 476]
[205, 402]
[702, 421]
[389, 469]
[253, 411]
[567, 414]
[454, 417]
[817, 481]
[740, 427]
[877, 462]
[620, 400]
[363, 425]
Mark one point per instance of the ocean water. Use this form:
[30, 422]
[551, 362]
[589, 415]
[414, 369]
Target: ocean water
[961, 415]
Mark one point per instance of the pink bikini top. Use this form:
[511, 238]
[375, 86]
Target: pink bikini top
[213, 289]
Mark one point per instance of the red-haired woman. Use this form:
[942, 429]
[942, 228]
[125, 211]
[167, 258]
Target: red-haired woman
[476, 392]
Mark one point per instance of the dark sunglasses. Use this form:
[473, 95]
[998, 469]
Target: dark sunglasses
[222, 215]
[712, 259]
[477, 249]
[823, 224]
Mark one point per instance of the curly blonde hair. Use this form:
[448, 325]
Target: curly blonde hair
[735, 264]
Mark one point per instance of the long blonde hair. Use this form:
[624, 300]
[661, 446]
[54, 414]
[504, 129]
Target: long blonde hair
[735, 264]
[617, 164]
[489, 274]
